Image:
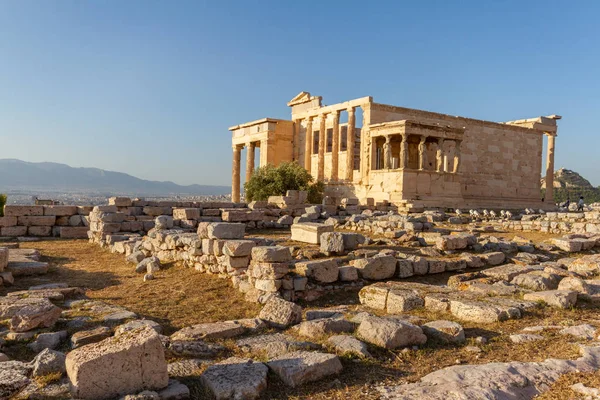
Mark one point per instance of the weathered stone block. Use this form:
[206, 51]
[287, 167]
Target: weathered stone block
[8, 222]
[390, 333]
[129, 363]
[309, 232]
[73, 232]
[403, 300]
[224, 230]
[186, 213]
[376, 268]
[348, 273]
[271, 254]
[281, 313]
[13, 231]
[120, 201]
[20, 211]
[39, 230]
[36, 221]
[323, 271]
[300, 367]
[60, 211]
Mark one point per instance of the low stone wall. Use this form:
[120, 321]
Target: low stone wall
[554, 222]
[260, 269]
[58, 221]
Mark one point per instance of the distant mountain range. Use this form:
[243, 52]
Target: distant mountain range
[54, 177]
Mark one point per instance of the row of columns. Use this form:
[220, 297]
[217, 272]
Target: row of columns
[440, 164]
[335, 145]
[235, 173]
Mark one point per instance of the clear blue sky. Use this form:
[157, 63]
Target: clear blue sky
[150, 88]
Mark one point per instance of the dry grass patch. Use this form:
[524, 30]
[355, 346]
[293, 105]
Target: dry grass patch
[178, 296]
[561, 390]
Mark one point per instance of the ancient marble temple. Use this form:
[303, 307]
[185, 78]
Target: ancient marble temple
[410, 158]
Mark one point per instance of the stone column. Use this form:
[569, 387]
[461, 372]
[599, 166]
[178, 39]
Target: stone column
[439, 156]
[350, 144]
[249, 160]
[422, 153]
[387, 153]
[550, 169]
[235, 174]
[404, 151]
[335, 145]
[322, 142]
[308, 141]
[457, 156]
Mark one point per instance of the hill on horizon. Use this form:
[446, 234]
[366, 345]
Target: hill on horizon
[569, 184]
[55, 177]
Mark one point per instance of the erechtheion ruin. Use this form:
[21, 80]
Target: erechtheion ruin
[407, 157]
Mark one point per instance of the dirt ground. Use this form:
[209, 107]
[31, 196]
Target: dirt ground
[181, 296]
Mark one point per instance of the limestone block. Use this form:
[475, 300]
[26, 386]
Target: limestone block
[210, 331]
[39, 314]
[186, 213]
[376, 268]
[264, 270]
[60, 211]
[238, 248]
[444, 331]
[323, 271]
[36, 221]
[235, 262]
[390, 333]
[348, 273]
[268, 285]
[271, 254]
[280, 313]
[352, 240]
[236, 378]
[300, 367]
[568, 245]
[374, 296]
[309, 232]
[224, 230]
[39, 231]
[20, 211]
[347, 345]
[120, 201]
[242, 215]
[482, 312]
[73, 232]
[129, 363]
[403, 300]
[555, 298]
[405, 268]
[320, 327]
[495, 258]
[420, 265]
[8, 222]
[332, 243]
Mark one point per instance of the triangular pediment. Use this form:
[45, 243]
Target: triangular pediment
[300, 98]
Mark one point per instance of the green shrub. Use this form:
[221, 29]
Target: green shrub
[276, 181]
[2, 203]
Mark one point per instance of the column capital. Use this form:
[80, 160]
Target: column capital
[237, 147]
[350, 110]
[309, 118]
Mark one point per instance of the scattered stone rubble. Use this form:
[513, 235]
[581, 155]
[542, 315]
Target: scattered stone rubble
[493, 280]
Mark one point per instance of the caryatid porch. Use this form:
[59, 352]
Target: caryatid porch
[410, 159]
